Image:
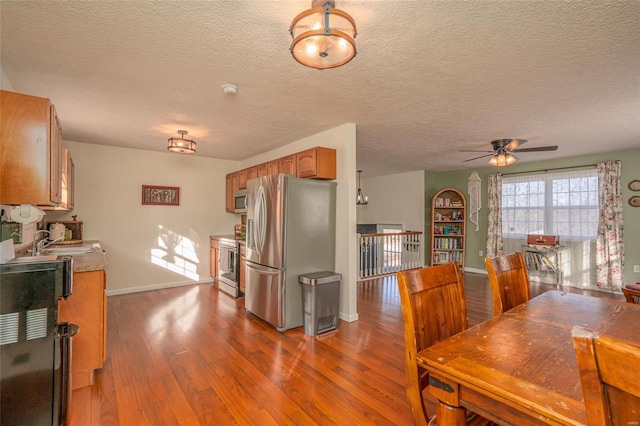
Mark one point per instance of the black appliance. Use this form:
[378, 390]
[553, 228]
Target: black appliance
[35, 350]
[229, 267]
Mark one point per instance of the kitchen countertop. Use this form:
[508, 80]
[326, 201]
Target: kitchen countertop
[86, 262]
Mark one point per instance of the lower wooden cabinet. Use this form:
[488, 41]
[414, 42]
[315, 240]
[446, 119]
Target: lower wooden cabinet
[86, 307]
[243, 251]
[215, 249]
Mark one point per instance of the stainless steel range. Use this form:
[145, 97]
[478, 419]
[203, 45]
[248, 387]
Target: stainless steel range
[229, 267]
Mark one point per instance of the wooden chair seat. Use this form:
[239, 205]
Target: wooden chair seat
[610, 375]
[632, 293]
[509, 280]
[433, 309]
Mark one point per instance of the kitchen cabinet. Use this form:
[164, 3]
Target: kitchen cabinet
[66, 196]
[262, 170]
[30, 151]
[288, 164]
[231, 186]
[215, 250]
[87, 307]
[246, 174]
[273, 167]
[448, 227]
[243, 252]
[316, 163]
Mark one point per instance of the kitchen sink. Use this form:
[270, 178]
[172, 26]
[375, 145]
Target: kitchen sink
[69, 250]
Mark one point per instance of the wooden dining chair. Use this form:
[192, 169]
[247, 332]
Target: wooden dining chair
[433, 309]
[610, 375]
[509, 280]
[631, 293]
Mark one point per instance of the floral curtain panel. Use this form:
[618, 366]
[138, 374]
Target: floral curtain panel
[609, 245]
[494, 219]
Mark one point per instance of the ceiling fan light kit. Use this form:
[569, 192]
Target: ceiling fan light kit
[323, 36]
[502, 151]
[182, 145]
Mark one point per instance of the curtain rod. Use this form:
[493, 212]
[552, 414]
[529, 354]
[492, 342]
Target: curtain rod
[547, 170]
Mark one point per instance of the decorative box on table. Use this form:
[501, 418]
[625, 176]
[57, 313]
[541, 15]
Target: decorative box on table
[543, 240]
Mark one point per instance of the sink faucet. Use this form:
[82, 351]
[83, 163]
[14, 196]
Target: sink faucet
[40, 245]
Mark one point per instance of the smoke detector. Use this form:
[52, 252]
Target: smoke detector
[229, 89]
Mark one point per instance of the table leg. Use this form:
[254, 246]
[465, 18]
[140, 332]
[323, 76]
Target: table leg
[450, 416]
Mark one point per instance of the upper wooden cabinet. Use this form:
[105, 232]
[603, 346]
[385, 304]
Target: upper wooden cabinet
[316, 163]
[30, 151]
[246, 174]
[231, 186]
[288, 164]
[66, 197]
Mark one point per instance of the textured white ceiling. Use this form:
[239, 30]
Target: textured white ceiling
[430, 77]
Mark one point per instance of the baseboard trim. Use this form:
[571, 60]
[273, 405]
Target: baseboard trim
[475, 271]
[348, 318]
[119, 291]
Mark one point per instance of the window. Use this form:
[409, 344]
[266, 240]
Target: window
[564, 204]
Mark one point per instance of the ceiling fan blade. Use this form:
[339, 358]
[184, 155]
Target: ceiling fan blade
[515, 143]
[474, 150]
[537, 149]
[482, 156]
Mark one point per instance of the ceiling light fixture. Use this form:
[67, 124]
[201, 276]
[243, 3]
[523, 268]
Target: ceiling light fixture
[182, 145]
[502, 158]
[361, 200]
[323, 36]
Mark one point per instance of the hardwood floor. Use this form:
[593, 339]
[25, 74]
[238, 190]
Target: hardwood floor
[193, 356]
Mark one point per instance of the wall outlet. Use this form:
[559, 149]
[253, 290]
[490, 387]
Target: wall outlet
[480, 253]
[636, 268]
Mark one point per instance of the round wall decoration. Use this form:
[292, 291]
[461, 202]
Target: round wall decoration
[634, 185]
[635, 201]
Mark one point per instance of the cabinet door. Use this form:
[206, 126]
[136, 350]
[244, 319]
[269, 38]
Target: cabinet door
[215, 246]
[242, 179]
[316, 163]
[30, 151]
[288, 164]
[252, 173]
[55, 157]
[262, 170]
[242, 265]
[229, 192]
[273, 167]
[86, 307]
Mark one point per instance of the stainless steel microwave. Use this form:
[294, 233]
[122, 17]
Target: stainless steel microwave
[240, 201]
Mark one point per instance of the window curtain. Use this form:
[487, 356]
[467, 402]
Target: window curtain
[494, 218]
[609, 244]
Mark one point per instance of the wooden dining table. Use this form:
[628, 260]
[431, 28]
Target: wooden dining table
[520, 367]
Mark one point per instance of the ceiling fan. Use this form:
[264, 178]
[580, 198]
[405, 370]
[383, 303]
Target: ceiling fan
[502, 151]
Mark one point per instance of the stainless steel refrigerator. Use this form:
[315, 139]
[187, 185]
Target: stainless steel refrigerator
[290, 231]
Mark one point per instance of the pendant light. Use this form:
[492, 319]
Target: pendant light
[361, 200]
[182, 145]
[323, 36]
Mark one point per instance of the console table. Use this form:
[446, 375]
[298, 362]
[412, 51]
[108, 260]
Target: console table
[547, 259]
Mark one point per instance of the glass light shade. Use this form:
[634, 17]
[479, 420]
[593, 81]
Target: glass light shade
[182, 145]
[502, 159]
[323, 37]
[361, 200]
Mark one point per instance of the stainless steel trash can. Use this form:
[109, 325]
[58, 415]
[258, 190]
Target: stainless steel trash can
[320, 301]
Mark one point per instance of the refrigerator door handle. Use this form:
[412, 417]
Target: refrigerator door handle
[260, 219]
[264, 271]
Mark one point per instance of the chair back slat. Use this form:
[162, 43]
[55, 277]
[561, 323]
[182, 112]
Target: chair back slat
[509, 281]
[610, 375]
[433, 309]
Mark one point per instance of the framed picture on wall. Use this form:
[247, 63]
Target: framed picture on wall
[161, 195]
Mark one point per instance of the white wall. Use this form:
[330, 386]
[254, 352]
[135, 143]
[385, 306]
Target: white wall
[343, 139]
[5, 84]
[108, 194]
[395, 198]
